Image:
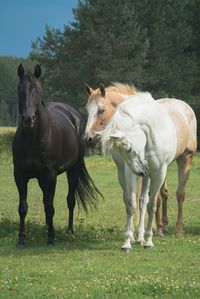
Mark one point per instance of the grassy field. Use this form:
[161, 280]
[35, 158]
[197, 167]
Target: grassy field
[91, 264]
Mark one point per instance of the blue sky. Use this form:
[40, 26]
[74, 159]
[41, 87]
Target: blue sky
[22, 21]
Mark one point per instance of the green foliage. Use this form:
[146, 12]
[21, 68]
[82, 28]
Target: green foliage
[91, 264]
[8, 88]
[6, 138]
[4, 113]
[152, 44]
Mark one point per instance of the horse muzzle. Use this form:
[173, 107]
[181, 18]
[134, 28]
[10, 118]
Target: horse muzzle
[91, 140]
[28, 121]
[144, 169]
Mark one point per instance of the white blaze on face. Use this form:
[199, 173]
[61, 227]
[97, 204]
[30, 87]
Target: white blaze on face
[92, 109]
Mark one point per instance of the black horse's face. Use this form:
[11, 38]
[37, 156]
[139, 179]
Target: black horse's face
[29, 96]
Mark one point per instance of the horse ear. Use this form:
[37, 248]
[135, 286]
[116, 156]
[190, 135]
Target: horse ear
[88, 89]
[20, 71]
[102, 89]
[37, 72]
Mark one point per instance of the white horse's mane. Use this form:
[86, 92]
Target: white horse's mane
[122, 118]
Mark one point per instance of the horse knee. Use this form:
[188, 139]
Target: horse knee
[71, 202]
[49, 210]
[180, 195]
[23, 208]
[151, 207]
[143, 202]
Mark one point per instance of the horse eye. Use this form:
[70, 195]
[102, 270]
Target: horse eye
[101, 111]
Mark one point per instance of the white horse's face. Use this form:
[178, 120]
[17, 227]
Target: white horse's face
[132, 149]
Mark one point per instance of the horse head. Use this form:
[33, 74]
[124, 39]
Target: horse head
[129, 141]
[100, 107]
[99, 111]
[29, 95]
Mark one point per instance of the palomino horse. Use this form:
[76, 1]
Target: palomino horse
[48, 142]
[101, 105]
[149, 135]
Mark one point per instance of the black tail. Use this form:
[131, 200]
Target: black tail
[86, 191]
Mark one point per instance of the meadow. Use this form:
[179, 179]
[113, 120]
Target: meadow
[90, 264]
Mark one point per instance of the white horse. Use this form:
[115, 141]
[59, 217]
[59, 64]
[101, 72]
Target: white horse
[149, 136]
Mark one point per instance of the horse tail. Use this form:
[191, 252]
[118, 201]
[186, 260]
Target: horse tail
[86, 191]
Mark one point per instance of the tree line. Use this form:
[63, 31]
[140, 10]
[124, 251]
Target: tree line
[151, 44]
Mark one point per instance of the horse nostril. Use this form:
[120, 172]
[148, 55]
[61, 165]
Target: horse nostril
[89, 140]
[33, 117]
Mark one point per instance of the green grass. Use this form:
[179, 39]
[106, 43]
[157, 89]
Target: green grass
[91, 264]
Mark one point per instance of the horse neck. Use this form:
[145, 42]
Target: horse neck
[116, 98]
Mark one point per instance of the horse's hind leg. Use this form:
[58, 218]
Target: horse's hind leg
[184, 165]
[159, 223]
[72, 176]
[21, 183]
[164, 195]
[48, 185]
[162, 223]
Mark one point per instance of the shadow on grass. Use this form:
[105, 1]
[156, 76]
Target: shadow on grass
[193, 230]
[85, 237]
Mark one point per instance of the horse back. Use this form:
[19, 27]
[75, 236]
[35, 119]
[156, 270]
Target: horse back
[184, 122]
[66, 113]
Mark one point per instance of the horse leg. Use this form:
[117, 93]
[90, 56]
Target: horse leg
[126, 183]
[21, 183]
[144, 198]
[184, 165]
[164, 195]
[129, 196]
[155, 185]
[162, 224]
[48, 185]
[72, 177]
[159, 223]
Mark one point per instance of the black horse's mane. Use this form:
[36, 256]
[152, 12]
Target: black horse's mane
[30, 77]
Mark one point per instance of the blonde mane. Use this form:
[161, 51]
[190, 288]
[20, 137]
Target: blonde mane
[115, 87]
[122, 88]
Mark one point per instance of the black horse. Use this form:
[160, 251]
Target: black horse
[48, 141]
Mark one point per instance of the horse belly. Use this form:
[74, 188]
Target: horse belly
[30, 167]
[67, 156]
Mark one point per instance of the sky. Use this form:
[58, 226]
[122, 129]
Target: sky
[22, 21]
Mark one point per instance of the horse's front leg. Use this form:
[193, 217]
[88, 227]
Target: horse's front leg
[128, 181]
[156, 182]
[21, 183]
[48, 185]
[143, 201]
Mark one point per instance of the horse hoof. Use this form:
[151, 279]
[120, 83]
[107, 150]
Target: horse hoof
[126, 250]
[71, 234]
[165, 231]
[50, 241]
[20, 244]
[179, 232]
[149, 245]
[139, 242]
[160, 233]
